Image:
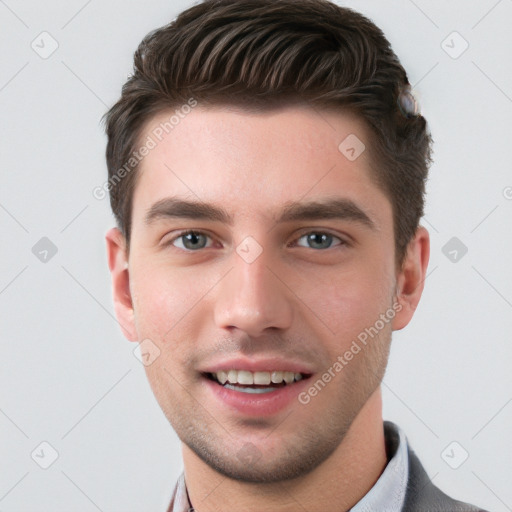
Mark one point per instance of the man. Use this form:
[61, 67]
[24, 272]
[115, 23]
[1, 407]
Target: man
[267, 167]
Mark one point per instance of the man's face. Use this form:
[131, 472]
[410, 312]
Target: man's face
[274, 287]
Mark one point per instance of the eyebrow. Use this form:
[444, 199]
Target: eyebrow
[336, 208]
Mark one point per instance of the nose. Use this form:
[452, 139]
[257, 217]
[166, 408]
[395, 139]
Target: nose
[253, 297]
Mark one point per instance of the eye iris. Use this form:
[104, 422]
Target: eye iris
[321, 239]
[190, 240]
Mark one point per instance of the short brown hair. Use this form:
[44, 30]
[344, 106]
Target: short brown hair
[265, 54]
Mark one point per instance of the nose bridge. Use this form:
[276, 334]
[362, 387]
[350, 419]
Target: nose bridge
[252, 298]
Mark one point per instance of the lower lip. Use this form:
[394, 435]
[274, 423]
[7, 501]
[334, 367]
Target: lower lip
[257, 404]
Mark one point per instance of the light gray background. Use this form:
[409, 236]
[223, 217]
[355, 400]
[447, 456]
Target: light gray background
[68, 377]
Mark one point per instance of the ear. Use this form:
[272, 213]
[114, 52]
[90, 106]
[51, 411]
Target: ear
[118, 265]
[411, 278]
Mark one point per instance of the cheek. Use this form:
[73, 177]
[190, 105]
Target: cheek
[345, 304]
[162, 298]
[166, 302]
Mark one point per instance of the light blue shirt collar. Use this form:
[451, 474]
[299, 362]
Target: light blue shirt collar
[388, 493]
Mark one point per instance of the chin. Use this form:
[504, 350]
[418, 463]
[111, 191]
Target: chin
[250, 464]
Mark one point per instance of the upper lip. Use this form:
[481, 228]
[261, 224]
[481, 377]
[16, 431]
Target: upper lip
[259, 365]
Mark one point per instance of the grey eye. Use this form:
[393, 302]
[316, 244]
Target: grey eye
[318, 240]
[191, 241]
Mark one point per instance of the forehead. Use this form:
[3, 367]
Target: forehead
[253, 163]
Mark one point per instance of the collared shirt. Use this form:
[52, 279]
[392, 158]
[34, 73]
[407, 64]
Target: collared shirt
[387, 494]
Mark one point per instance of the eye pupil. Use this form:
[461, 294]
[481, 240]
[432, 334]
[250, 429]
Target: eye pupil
[191, 240]
[320, 239]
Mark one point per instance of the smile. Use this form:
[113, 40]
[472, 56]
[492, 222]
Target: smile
[255, 382]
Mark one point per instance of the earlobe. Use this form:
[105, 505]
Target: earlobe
[411, 278]
[118, 265]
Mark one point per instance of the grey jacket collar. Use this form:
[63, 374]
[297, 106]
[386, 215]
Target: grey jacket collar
[423, 496]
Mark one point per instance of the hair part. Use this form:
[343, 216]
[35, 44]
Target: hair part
[266, 54]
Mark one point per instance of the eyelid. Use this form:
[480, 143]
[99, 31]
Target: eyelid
[306, 231]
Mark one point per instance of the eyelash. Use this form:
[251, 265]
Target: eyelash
[195, 232]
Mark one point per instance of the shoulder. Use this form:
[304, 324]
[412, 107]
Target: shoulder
[423, 496]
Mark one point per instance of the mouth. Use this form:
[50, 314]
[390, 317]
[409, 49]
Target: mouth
[260, 382]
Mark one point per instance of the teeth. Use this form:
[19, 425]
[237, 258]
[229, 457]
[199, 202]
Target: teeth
[222, 377]
[277, 377]
[288, 377]
[250, 390]
[262, 378]
[247, 378]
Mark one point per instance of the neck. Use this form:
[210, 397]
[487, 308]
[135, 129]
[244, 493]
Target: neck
[336, 484]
